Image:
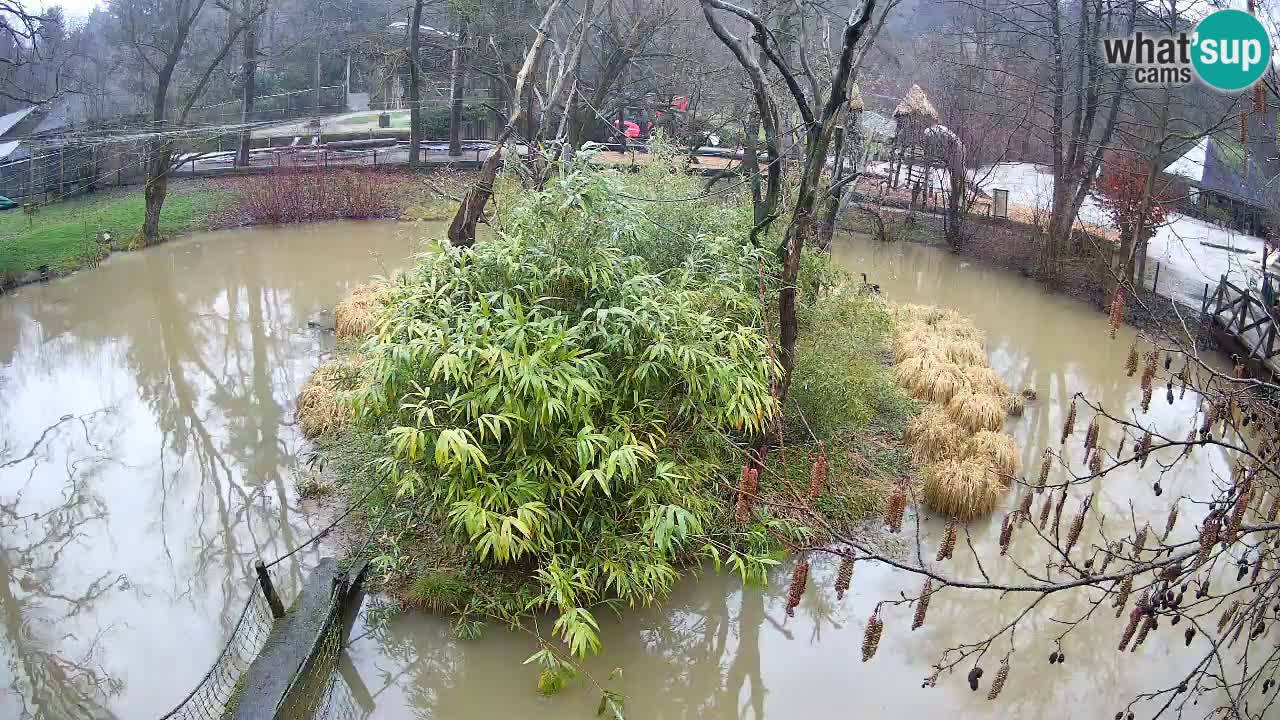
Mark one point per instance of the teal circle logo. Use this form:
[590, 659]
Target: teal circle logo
[1232, 50]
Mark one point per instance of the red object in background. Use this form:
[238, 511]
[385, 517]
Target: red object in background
[631, 129]
[1121, 188]
[680, 102]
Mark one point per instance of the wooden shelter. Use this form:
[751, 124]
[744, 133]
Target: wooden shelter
[913, 116]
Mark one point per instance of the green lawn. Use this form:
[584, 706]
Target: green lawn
[63, 235]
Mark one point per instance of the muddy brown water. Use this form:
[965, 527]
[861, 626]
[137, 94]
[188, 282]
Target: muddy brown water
[126, 529]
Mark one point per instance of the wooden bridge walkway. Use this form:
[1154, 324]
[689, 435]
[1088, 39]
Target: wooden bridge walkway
[1244, 321]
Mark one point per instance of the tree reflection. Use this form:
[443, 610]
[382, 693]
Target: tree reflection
[35, 607]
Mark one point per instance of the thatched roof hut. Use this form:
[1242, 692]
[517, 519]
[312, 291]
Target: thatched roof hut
[916, 106]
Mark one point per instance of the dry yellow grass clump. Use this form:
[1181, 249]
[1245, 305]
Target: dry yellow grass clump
[933, 435]
[320, 409]
[357, 316]
[999, 449]
[977, 411]
[962, 489]
[942, 361]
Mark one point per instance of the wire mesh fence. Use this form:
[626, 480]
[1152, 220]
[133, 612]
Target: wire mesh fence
[215, 696]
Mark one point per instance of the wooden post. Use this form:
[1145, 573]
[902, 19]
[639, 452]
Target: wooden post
[62, 169]
[269, 590]
[1156, 282]
[1204, 301]
[1245, 301]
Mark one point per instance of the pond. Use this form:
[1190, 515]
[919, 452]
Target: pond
[148, 456]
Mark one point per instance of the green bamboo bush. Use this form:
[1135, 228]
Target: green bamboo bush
[563, 400]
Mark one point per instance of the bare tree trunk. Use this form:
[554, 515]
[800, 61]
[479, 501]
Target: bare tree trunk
[155, 189]
[248, 90]
[456, 78]
[415, 109]
[316, 81]
[831, 206]
[462, 230]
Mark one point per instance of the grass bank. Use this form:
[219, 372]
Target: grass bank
[64, 236]
[557, 420]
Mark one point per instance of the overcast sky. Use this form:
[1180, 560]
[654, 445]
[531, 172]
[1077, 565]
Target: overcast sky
[73, 8]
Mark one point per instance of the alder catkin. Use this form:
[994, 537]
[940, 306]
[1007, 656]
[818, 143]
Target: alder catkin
[1001, 675]
[1077, 525]
[845, 575]
[871, 639]
[1140, 542]
[1095, 461]
[1006, 534]
[1131, 365]
[1173, 519]
[1257, 569]
[1130, 628]
[1057, 511]
[1143, 449]
[1226, 616]
[1024, 507]
[1208, 536]
[1122, 596]
[1142, 633]
[897, 506]
[1044, 471]
[1044, 512]
[818, 473]
[1091, 435]
[1273, 510]
[799, 577]
[949, 536]
[1069, 424]
[922, 605]
[1149, 370]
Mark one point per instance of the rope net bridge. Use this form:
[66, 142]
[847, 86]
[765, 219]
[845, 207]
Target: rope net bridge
[288, 664]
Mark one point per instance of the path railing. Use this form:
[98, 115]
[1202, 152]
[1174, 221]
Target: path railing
[1245, 315]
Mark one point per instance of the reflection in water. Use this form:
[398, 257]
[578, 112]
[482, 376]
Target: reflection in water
[719, 650]
[146, 452]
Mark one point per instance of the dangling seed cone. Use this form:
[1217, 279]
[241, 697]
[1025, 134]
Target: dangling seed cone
[1069, 424]
[1006, 534]
[1044, 471]
[871, 640]
[1173, 519]
[1024, 507]
[922, 605]
[1130, 628]
[747, 486]
[1122, 596]
[1257, 569]
[1142, 633]
[948, 540]
[1003, 673]
[799, 577]
[1091, 435]
[845, 576]
[1044, 512]
[1226, 616]
[897, 506]
[818, 473]
[1131, 365]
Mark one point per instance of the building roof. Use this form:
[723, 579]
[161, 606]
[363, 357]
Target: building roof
[1190, 165]
[1244, 179]
[916, 104]
[8, 121]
